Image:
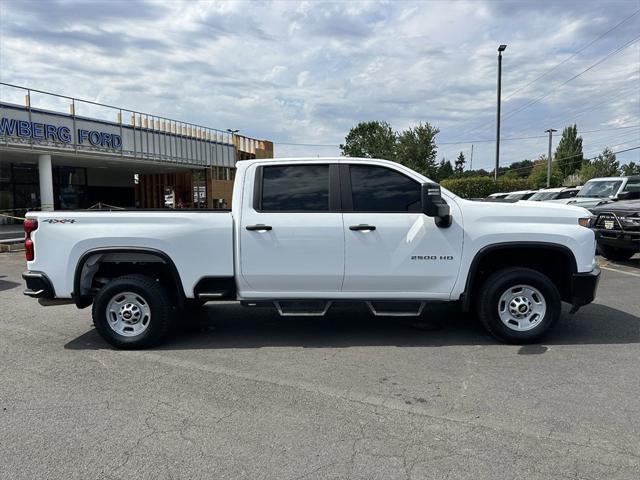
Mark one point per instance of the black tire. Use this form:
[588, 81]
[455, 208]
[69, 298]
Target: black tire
[613, 253]
[194, 304]
[489, 304]
[154, 297]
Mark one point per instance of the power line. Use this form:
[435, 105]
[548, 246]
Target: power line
[533, 136]
[545, 73]
[593, 65]
[596, 146]
[532, 102]
[307, 144]
[577, 160]
[460, 142]
[583, 110]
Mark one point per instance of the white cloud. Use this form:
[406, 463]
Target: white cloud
[305, 72]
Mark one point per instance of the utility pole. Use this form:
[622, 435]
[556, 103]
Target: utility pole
[471, 160]
[501, 49]
[550, 132]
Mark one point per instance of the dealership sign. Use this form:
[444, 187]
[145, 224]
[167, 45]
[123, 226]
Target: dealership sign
[60, 134]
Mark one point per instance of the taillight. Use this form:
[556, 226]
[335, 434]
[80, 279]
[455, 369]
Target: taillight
[30, 225]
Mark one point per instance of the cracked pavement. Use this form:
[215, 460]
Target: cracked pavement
[238, 393]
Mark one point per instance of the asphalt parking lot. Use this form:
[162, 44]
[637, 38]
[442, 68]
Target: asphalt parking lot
[247, 394]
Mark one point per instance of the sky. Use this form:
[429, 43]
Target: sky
[303, 73]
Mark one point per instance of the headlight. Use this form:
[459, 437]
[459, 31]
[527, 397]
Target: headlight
[630, 221]
[585, 221]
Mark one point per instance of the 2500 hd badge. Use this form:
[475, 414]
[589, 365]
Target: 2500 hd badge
[431, 257]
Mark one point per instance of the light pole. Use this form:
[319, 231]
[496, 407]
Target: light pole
[501, 49]
[550, 132]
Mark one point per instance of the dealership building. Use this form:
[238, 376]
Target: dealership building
[63, 153]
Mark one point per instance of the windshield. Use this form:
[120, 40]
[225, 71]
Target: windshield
[516, 196]
[600, 189]
[540, 196]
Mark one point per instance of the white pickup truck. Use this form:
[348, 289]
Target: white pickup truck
[305, 233]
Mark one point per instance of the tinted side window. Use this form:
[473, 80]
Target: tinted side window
[379, 189]
[295, 188]
[568, 194]
[632, 186]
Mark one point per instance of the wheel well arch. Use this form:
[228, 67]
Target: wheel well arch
[552, 259]
[120, 261]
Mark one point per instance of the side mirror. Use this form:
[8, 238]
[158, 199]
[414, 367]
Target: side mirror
[628, 196]
[434, 206]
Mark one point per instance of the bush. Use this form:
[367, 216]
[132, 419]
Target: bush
[538, 176]
[480, 187]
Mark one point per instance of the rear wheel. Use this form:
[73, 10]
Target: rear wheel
[132, 311]
[518, 305]
[613, 253]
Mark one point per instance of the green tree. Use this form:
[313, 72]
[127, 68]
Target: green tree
[372, 140]
[568, 156]
[605, 165]
[477, 173]
[510, 174]
[520, 169]
[630, 168]
[445, 170]
[479, 187]
[416, 148]
[460, 161]
[538, 175]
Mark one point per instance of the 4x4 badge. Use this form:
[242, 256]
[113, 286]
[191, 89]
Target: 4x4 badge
[59, 220]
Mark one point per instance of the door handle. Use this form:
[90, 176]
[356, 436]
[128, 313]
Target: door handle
[259, 228]
[362, 228]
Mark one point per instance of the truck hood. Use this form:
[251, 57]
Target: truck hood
[552, 212]
[626, 207]
[586, 202]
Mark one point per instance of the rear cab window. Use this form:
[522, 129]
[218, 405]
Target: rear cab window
[293, 188]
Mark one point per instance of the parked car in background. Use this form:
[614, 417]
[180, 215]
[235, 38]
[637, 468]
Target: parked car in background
[617, 229]
[498, 195]
[605, 189]
[558, 193]
[520, 195]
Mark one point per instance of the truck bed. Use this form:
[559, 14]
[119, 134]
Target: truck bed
[200, 243]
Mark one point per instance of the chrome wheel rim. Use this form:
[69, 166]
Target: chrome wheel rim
[128, 314]
[522, 308]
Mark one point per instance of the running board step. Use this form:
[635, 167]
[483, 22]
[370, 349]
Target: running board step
[213, 295]
[307, 308]
[396, 309]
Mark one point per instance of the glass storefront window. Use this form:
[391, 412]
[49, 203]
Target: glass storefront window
[25, 173]
[69, 187]
[5, 173]
[70, 176]
[72, 197]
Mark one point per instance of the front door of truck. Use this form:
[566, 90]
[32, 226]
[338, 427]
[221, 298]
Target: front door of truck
[291, 232]
[391, 247]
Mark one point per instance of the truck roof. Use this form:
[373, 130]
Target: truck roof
[623, 177]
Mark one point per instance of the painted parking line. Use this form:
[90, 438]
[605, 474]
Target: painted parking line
[620, 271]
[614, 267]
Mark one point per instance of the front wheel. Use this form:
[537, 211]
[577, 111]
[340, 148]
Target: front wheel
[519, 305]
[132, 311]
